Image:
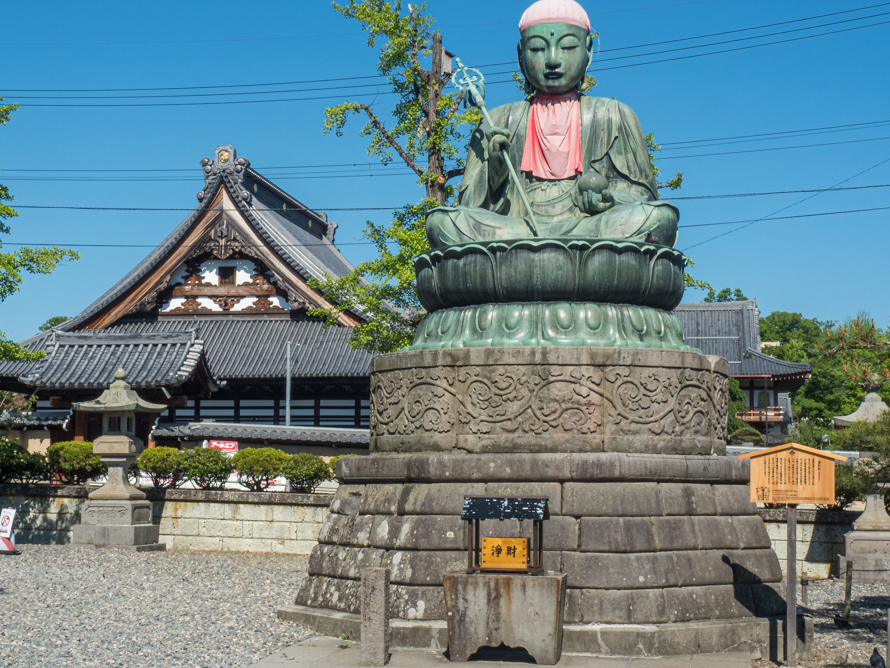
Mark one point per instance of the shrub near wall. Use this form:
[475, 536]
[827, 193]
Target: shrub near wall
[74, 461]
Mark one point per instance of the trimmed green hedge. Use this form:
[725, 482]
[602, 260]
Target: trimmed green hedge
[74, 462]
[257, 468]
[305, 472]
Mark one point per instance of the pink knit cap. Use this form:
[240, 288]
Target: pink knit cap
[554, 11]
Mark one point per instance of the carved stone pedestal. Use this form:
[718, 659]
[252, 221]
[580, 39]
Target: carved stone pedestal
[123, 524]
[662, 550]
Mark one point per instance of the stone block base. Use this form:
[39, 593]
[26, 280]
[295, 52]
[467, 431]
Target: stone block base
[764, 635]
[115, 535]
[116, 523]
[867, 569]
[485, 610]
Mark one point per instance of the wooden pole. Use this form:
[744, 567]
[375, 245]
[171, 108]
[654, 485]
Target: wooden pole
[791, 589]
[848, 589]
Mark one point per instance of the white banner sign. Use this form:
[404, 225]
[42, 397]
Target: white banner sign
[7, 518]
[226, 447]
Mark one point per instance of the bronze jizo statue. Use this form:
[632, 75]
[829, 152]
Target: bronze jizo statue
[558, 237]
[582, 161]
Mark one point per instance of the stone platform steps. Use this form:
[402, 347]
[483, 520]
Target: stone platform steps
[706, 637]
[327, 652]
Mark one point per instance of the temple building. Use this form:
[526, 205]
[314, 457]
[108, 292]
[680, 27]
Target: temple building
[201, 325]
[732, 330]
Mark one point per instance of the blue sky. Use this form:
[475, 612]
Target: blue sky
[827, 267]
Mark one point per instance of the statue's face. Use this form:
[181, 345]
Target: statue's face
[555, 56]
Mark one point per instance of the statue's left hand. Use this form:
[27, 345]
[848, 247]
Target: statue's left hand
[593, 203]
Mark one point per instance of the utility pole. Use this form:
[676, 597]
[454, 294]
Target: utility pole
[288, 368]
[287, 372]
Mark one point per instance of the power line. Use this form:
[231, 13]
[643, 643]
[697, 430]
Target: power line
[778, 192]
[390, 208]
[800, 215]
[739, 48]
[42, 97]
[383, 83]
[773, 148]
[372, 85]
[371, 243]
[745, 39]
[365, 174]
[785, 208]
[738, 30]
[781, 134]
[298, 37]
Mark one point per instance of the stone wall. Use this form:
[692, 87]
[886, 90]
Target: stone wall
[820, 538]
[189, 519]
[290, 523]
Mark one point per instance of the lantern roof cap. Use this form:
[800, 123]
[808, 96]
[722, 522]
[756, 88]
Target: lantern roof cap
[118, 398]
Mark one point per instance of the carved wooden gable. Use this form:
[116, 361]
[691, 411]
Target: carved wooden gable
[221, 265]
[225, 274]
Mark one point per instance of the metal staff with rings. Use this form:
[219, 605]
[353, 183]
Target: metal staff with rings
[468, 81]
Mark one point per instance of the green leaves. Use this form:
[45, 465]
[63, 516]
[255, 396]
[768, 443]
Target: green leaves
[427, 122]
[672, 184]
[383, 289]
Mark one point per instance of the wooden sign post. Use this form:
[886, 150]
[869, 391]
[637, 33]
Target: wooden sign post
[792, 474]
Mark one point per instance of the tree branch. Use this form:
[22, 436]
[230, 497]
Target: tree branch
[392, 142]
[451, 173]
[454, 107]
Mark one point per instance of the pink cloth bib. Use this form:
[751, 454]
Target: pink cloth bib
[553, 140]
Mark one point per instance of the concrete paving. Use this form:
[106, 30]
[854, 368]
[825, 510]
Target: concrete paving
[324, 652]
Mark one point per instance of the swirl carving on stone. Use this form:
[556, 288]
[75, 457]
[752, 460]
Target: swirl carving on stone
[488, 400]
[670, 402]
[530, 399]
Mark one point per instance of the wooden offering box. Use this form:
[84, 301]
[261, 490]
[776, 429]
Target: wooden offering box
[505, 554]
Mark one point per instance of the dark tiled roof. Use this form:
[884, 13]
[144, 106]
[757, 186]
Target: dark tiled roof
[88, 360]
[197, 431]
[41, 418]
[233, 348]
[732, 330]
[254, 348]
[13, 370]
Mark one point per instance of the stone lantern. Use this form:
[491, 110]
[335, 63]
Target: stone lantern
[117, 514]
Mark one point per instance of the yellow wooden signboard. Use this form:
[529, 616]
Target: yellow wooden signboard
[504, 553]
[792, 474]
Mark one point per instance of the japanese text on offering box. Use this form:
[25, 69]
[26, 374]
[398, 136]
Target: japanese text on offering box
[499, 553]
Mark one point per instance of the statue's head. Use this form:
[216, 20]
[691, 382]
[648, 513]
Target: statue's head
[555, 46]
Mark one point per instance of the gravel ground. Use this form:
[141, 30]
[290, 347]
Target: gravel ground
[846, 647]
[76, 606]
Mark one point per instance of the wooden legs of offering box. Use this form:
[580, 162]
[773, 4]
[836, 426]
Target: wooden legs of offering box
[485, 610]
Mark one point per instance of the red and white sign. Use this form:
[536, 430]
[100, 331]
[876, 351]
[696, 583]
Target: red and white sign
[7, 538]
[226, 447]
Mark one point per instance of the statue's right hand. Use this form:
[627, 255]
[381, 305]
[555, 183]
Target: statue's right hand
[498, 142]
